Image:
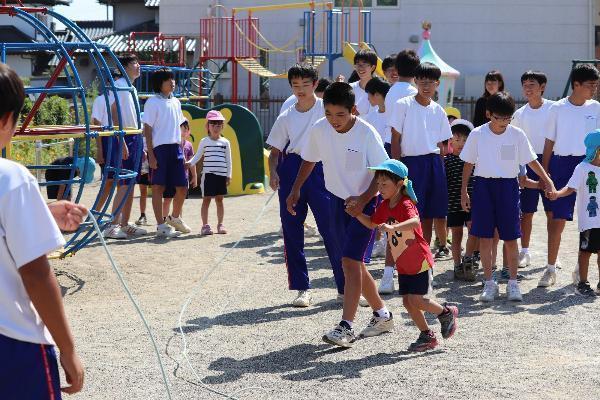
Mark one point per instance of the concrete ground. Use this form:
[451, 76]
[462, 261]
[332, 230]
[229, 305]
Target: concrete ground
[246, 341]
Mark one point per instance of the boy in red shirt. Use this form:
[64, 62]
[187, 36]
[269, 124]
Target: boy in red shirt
[398, 216]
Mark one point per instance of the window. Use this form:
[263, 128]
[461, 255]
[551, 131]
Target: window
[366, 3]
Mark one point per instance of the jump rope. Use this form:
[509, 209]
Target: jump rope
[193, 293]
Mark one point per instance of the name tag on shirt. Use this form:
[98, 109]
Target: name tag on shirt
[590, 123]
[354, 160]
[508, 152]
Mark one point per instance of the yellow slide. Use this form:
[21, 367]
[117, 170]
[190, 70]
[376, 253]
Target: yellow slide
[350, 50]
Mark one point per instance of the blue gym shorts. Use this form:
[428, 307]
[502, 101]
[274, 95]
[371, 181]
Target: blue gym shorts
[561, 168]
[428, 176]
[355, 238]
[495, 205]
[171, 166]
[28, 371]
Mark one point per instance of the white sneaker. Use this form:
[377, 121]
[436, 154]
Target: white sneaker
[548, 279]
[340, 336]
[386, 286]
[114, 232]
[524, 259]
[178, 224]
[379, 248]
[575, 275]
[513, 293]
[310, 231]
[132, 230]
[378, 325]
[490, 291]
[164, 230]
[361, 300]
[303, 299]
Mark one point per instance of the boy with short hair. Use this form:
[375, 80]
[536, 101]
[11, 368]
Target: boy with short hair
[162, 118]
[496, 149]
[532, 118]
[388, 65]
[365, 63]
[347, 146]
[121, 228]
[458, 219]
[584, 182]
[33, 318]
[287, 138]
[419, 128]
[569, 120]
[406, 63]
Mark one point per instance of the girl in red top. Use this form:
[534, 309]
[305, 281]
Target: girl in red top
[397, 215]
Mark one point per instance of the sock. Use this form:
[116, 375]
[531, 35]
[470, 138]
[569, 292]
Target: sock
[525, 250]
[551, 268]
[388, 271]
[383, 312]
[347, 324]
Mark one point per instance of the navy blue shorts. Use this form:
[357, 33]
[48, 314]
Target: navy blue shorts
[458, 219]
[413, 284]
[531, 197]
[28, 371]
[134, 145]
[561, 168]
[429, 182]
[171, 166]
[355, 238]
[495, 205]
[115, 156]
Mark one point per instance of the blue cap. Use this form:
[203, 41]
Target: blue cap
[91, 168]
[399, 169]
[592, 142]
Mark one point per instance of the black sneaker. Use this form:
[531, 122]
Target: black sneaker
[459, 272]
[425, 341]
[584, 289]
[448, 321]
[442, 252]
[470, 269]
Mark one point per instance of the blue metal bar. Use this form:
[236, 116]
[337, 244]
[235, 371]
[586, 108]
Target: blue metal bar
[52, 90]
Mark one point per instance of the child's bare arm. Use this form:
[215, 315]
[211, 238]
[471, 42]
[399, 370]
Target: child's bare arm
[366, 221]
[42, 288]
[525, 182]
[564, 192]
[407, 225]
[465, 200]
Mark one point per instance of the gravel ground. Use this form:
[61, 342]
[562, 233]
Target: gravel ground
[246, 341]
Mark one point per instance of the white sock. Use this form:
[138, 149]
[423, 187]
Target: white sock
[551, 268]
[388, 271]
[525, 250]
[350, 323]
[383, 312]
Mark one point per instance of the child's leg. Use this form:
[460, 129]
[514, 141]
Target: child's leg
[104, 195]
[157, 194]
[166, 206]
[526, 228]
[422, 303]
[441, 232]
[472, 242]
[584, 262]
[143, 198]
[427, 226]
[485, 250]
[220, 209]
[352, 287]
[126, 210]
[180, 193]
[369, 289]
[495, 249]
[457, 236]
[512, 257]
[415, 313]
[556, 228]
[204, 210]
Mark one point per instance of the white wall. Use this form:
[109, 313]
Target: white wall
[22, 66]
[474, 36]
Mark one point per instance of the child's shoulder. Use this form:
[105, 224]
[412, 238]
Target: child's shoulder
[12, 175]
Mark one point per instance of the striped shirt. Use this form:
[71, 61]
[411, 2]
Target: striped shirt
[217, 156]
[454, 170]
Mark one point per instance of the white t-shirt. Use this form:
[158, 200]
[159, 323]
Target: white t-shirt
[422, 128]
[497, 156]
[345, 156]
[126, 103]
[27, 231]
[164, 116]
[534, 123]
[292, 125]
[361, 99]
[568, 125]
[379, 122]
[398, 91]
[99, 110]
[290, 101]
[217, 156]
[585, 181]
